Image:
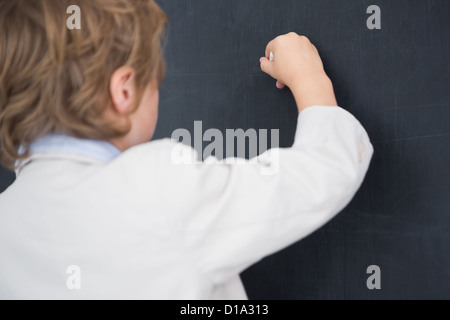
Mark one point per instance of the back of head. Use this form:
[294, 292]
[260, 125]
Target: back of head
[55, 79]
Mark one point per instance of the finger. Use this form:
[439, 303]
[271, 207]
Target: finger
[269, 48]
[266, 66]
[315, 49]
[280, 85]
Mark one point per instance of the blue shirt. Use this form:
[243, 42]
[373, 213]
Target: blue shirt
[57, 143]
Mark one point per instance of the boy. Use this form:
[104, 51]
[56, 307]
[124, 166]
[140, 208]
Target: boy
[96, 212]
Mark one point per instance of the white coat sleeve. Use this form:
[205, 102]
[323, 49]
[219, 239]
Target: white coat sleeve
[226, 217]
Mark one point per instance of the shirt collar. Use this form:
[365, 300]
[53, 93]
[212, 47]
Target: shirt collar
[57, 145]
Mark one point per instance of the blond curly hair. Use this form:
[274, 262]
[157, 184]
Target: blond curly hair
[53, 79]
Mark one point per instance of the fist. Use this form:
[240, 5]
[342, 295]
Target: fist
[296, 60]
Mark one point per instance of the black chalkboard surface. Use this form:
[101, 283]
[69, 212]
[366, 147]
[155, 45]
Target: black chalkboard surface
[395, 80]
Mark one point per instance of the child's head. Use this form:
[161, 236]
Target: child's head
[98, 82]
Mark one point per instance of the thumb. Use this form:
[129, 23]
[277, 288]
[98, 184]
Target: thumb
[266, 66]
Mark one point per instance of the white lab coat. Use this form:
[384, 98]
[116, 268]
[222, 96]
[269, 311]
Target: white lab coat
[141, 226]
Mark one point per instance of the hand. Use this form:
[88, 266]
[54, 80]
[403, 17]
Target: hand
[298, 65]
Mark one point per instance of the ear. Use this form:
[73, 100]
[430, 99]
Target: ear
[122, 90]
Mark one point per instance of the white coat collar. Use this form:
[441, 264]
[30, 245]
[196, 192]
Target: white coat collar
[56, 145]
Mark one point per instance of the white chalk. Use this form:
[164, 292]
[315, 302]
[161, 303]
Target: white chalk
[271, 56]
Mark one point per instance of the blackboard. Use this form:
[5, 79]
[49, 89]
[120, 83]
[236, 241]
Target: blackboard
[395, 80]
